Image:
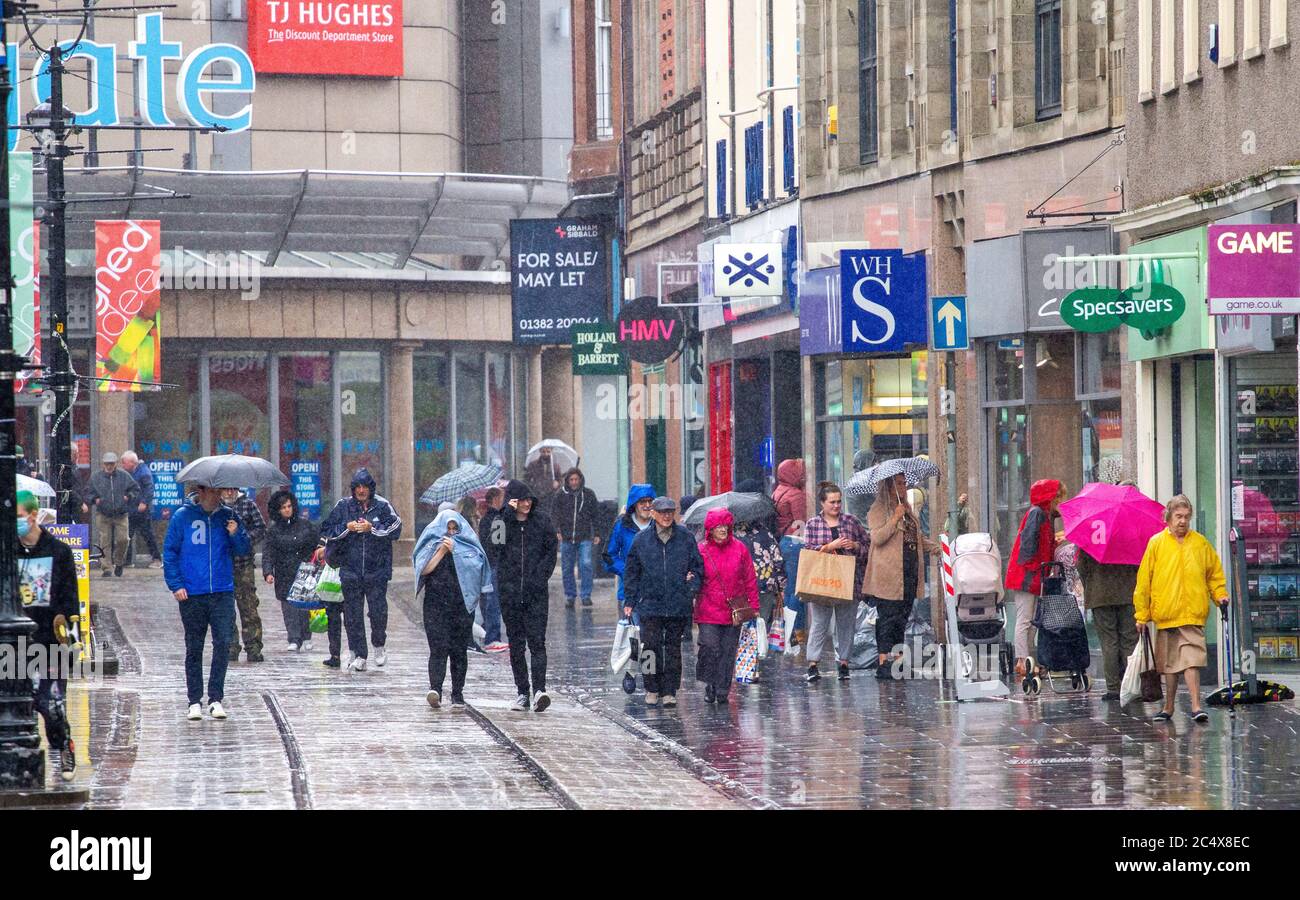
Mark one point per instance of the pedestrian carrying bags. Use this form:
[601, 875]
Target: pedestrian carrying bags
[747, 654]
[738, 606]
[1152, 688]
[625, 635]
[825, 577]
[302, 594]
[328, 586]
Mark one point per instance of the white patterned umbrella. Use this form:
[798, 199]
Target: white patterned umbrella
[35, 485]
[460, 481]
[868, 481]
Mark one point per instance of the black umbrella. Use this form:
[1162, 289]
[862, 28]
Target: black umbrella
[743, 507]
[231, 470]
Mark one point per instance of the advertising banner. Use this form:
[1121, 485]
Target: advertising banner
[559, 277]
[305, 477]
[128, 259]
[326, 37]
[166, 490]
[24, 255]
[1254, 270]
[78, 538]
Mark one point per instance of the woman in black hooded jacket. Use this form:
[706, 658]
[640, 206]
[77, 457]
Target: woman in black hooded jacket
[290, 540]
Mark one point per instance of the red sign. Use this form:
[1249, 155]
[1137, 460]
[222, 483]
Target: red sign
[719, 428]
[128, 260]
[326, 37]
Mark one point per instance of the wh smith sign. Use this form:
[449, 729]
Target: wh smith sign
[153, 57]
[326, 37]
[883, 297]
[1254, 270]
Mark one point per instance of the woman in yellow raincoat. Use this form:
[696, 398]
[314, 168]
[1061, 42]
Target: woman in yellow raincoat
[1179, 575]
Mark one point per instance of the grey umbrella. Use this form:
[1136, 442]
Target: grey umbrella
[232, 470]
[868, 481]
[743, 507]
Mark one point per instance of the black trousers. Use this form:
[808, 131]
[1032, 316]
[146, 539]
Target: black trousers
[715, 659]
[447, 626]
[891, 623]
[662, 637]
[350, 615]
[525, 620]
[141, 523]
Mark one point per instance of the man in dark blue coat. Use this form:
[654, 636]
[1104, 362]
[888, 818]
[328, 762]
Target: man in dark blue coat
[661, 579]
[525, 560]
[358, 535]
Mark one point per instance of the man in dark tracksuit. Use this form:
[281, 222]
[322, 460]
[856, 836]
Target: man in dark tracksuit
[524, 565]
[359, 534]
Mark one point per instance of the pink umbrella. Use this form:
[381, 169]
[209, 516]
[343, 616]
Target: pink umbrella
[1112, 524]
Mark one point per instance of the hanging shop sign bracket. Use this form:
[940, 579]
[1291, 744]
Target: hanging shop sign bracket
[1149, 306]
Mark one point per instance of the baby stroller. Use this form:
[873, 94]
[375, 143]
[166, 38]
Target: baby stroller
[975, 617]
[1062, 638]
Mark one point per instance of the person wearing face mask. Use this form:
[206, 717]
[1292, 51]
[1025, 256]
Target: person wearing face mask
[834, 531]
[895, 570]
[452, 571]
[199, 551]
[728, 574]
[635, 519]
[47, 587]
[1179, 576]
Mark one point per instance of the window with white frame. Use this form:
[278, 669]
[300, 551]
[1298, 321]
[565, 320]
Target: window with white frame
[603, 62]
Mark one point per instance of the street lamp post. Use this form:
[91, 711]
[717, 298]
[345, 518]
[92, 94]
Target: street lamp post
[22, 762]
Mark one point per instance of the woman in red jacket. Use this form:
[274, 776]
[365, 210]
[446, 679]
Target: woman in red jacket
[1035, 545]
[728, 572]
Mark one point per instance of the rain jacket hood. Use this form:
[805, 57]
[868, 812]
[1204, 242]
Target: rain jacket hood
[1042, 493]
[519, 490]
[625, 531]
[791, 504]
[472, 568]
[1035, 542]
[790, 472]
[636, 493]
[728, 572]
[363, 478]
[360, 557]
[564, 480]
[718, 516]
[274, 503]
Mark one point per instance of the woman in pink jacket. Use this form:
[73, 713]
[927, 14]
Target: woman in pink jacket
[728, 572]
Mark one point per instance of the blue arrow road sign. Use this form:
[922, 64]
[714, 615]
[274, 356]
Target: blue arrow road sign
[949, 328]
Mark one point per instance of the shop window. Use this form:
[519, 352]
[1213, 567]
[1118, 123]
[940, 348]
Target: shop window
[361, 403]
[1008, 434]
[498, 386]
[1103, 439]
[1005, 371]
[168, 420]
[432, 411]
[306, 417]
[1100, 363]
[239, 392]
[470, 408]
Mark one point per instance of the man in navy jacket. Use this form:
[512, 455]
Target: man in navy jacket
[202, 541]
[358, 535]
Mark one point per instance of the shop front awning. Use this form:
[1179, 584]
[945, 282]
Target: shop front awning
[396, 218]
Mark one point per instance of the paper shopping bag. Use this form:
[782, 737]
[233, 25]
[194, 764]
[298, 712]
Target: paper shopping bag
[825, 577]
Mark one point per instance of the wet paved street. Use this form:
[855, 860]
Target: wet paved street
[303, 736]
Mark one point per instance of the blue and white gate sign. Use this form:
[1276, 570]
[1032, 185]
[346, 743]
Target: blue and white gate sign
[949, 328]
[882, 294]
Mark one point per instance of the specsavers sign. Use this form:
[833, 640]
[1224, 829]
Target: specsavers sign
[1148, 307]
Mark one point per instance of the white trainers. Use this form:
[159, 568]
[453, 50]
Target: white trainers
[541, 700]
[358, 664]
[651, 699]
[195, 713]
[306, 646]
[381, 657]
[292, 648]
[520, 704]
[434, 698]
[217, 711]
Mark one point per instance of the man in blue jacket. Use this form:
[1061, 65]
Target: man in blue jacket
[199, 552]
[358, 535]
[635, 519]
[661, 578]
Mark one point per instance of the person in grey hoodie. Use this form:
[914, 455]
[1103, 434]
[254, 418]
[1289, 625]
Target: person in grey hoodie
[573, 511]
[112, 492]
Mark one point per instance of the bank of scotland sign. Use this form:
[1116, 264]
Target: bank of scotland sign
[748, 270]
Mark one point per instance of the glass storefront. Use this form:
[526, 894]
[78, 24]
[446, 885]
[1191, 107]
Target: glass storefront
[168, 422]
[238, 388]
[432, 396]
[470, 409]
[306, 412]
[1266, 504]
[361, 393]
[498, 388]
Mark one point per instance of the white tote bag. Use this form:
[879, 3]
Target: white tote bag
[1130, 688]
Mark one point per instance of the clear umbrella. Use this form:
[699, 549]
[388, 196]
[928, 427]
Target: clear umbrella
[35, 485]
[564, 456]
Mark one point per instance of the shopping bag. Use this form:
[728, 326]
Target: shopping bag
[825, 577]
[1130, 688]
[621, 653]
[302, 593]
[747, 654]
[760, 630]
[328, 586]
[1152, 682]
[319, 622]
[776, 634]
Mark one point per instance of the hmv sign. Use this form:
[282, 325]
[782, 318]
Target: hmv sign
[647, 332]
